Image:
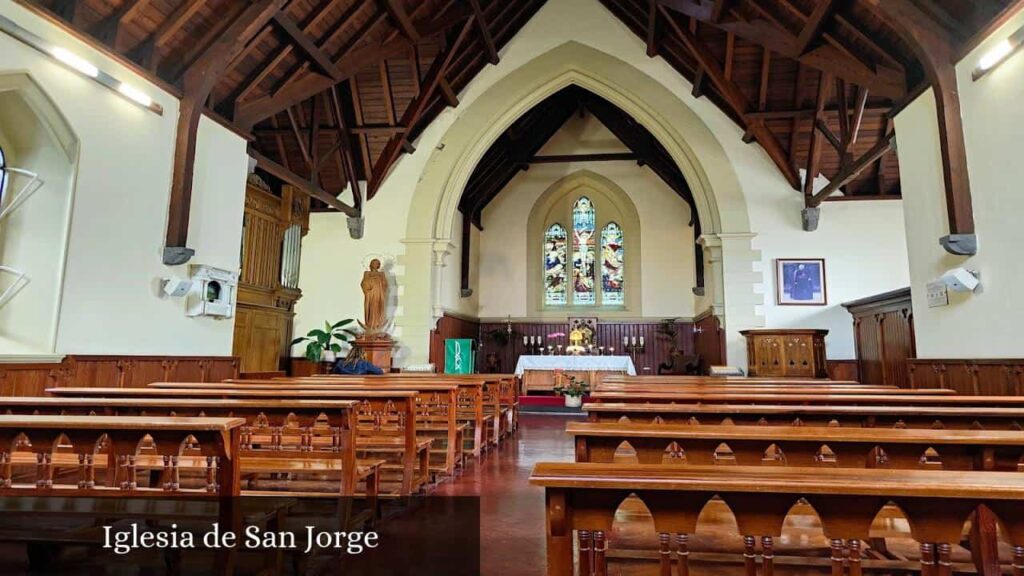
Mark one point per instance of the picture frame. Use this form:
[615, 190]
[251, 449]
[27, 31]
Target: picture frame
[800, 282]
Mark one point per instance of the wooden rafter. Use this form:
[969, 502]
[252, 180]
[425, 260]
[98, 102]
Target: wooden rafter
[416, 108]
[736, 100]
[301, 183]
[485, 33]
[307, 45]
[814, 151]
[815, 25]
[847, 174]
[198, 81]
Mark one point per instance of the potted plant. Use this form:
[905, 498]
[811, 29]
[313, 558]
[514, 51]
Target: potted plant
[573, 392]
[321, 345]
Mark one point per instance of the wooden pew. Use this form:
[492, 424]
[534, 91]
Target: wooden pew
[582, 500]
[726, 380]
[386, 419]
[436, 409]
[508, 391]
[822, 399]
[667, 389]
[216, 439]
[475, 407]
[866, 416]
[280, 435]
[806, 446]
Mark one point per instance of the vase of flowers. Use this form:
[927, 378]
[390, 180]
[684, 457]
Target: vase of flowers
[573, 391]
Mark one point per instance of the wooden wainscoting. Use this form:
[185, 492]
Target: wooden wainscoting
[842, 370]
[883, 329]
[118, 371]
[974, 377]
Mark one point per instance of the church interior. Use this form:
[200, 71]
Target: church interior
[657, 287]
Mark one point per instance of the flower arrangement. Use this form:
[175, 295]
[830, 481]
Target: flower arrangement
[554, 335]
[575, 388]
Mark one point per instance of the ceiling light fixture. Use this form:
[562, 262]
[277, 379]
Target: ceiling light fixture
[80, 65]
[998, 54]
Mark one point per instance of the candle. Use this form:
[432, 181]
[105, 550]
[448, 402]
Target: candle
[525, 341]
[634, 340]
[625, 341]
[641, 341]
[611, 351]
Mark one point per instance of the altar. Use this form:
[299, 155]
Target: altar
[539, 373]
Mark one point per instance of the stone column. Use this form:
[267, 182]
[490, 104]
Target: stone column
[419, 297]
[731, 276]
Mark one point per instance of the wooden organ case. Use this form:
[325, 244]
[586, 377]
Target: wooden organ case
[786, 353]
[268, 287]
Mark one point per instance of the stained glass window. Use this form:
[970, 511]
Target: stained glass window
[612, 265]
[555, 285]
[583, 252]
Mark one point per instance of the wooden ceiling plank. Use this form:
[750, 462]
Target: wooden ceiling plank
[415, 110]
[736, 100]
[198, 81]
[485, 33]
[815, 25]
[175, 71]
[852, 171]
[766, 68]
[396, 10]
[182, 14]
[301, 183]
[108, 29]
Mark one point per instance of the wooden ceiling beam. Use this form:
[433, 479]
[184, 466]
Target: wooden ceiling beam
[305, 43]
[485, 33]
[107, 29]
[345, 152]
[855, 121]
[766, 68]
[198, 81]
[301, 183]
[351, 61]
[881, 79]
[736, 100]
[592, 157]
[814, 152]
[299, 139]
[937, 50]
[415, 110]
[652, 28]
[815, 25]
[820, 124]
[849, 173]
[809, 112]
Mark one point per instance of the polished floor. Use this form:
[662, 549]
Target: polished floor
[512, 511]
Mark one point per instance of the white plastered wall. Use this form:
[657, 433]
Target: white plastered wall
[599, 53]
[987, 324]
[110, 301]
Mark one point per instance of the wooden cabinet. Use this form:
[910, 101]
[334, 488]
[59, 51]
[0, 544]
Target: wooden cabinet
[883, 330]
[268, 286]
[786, 353]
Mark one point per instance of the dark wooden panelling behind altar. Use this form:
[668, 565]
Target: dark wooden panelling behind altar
[117, 371]
[974, 377]
[609, 334]
[450, 327]
[709, 340]
[883, 329]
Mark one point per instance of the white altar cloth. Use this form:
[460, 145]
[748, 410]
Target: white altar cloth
[576, 363]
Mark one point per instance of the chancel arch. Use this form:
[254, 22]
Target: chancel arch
[708, 171]
[611, 206]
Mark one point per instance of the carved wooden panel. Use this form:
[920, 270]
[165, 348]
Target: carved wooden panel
[883, 328]
[793, 353]
[974, 377]
[709, 341]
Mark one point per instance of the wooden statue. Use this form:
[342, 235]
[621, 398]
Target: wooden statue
[375, 295]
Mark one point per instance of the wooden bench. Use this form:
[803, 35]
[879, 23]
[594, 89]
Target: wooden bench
[277, 432]
[668, 390]
[582, 499]
[386, 423]
[507, 388]
[726, 380]
[800, 399]
[436, 410]
[801, 446]
[933, 417]
[44, 438]
[474, 408]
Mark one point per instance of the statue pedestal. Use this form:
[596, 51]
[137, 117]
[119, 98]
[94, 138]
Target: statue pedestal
[377, 351]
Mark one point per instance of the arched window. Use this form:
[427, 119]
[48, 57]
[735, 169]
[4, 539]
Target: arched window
[583, 257]
[612, 266]
[555, 285]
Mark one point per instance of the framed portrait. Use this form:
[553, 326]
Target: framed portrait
[800, 282]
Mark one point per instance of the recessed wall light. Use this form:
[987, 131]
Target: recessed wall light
[998, 54]
[79, 64]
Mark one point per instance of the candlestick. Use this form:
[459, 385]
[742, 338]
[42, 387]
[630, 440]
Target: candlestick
[525, 343]
[641, 341]
[625, 341]
[634, 340]
[611, 351]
